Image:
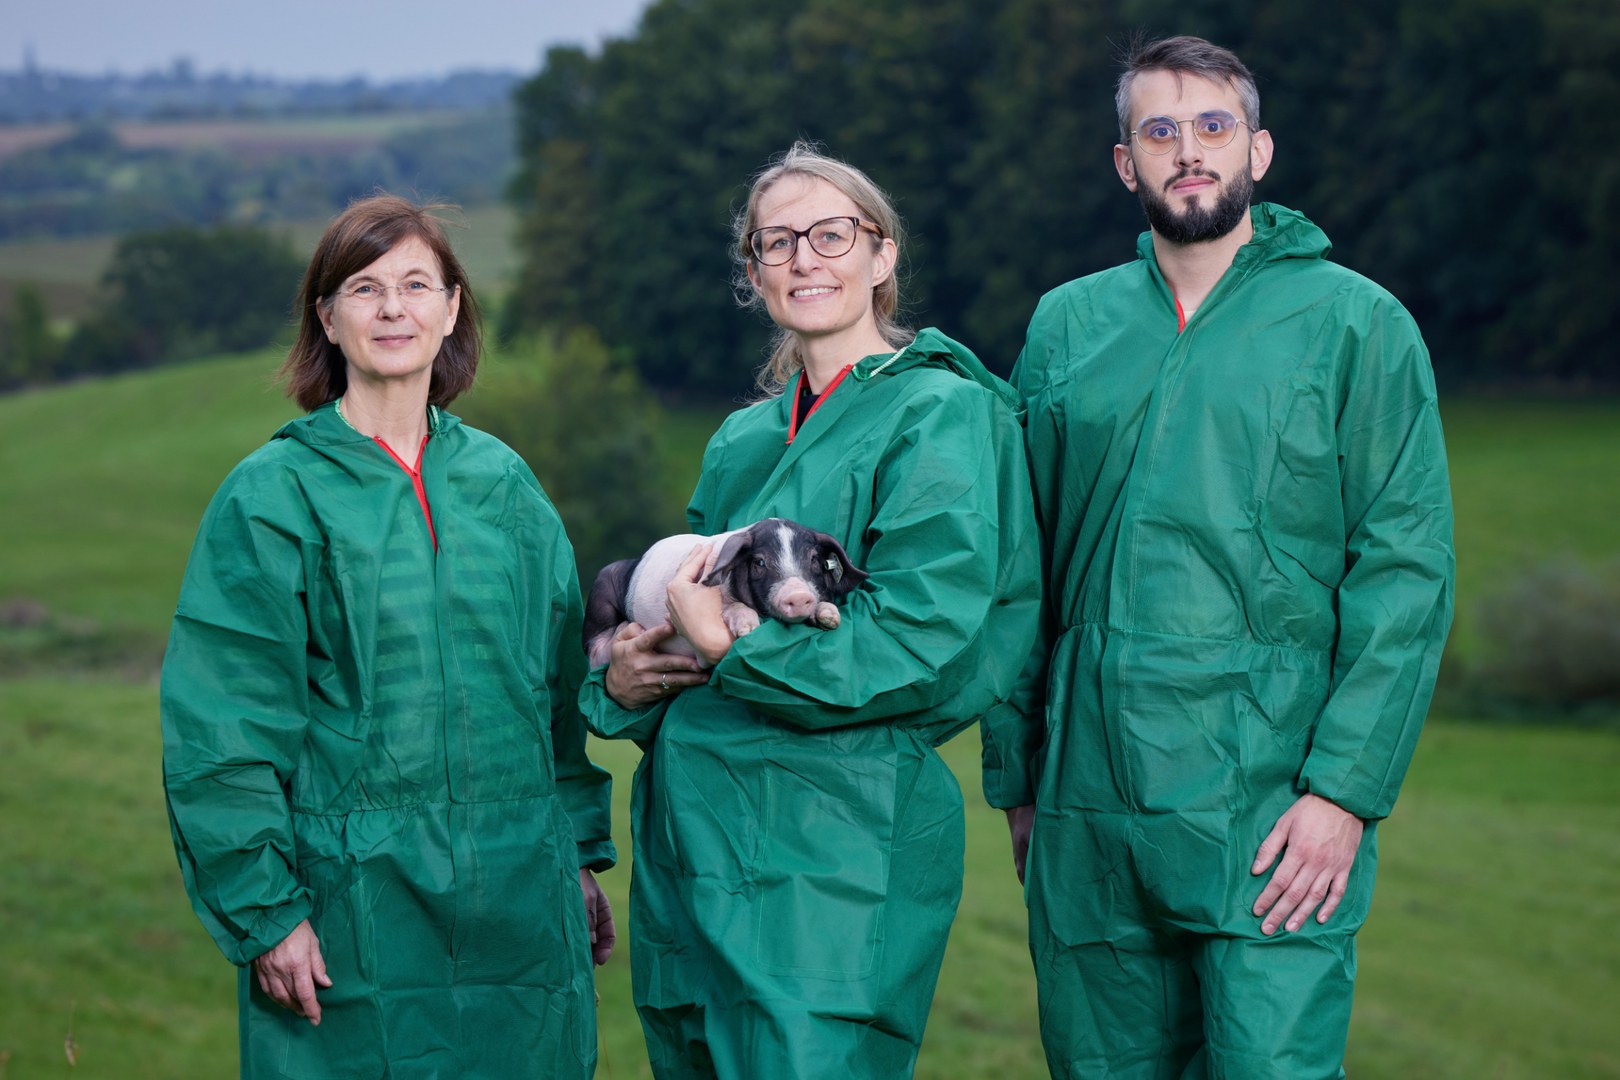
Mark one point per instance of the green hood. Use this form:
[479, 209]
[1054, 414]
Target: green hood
[323, 426]
[934, 348]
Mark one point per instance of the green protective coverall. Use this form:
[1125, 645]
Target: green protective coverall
[386, 741]
[1249, 581]
[798, 840]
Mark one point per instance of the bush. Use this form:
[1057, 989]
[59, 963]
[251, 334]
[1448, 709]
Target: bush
[589, 428]
[1553, 636]
[180, 293]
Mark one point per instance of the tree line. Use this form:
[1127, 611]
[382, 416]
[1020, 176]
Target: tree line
[1459, 152]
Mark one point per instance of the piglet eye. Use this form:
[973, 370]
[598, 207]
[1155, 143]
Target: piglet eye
[759, 561]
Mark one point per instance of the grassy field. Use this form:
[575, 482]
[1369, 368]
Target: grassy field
[1491, 949]
[1489, 953]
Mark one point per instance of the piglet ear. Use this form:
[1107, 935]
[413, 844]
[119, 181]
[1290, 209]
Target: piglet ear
[844, 575]
[725, 557]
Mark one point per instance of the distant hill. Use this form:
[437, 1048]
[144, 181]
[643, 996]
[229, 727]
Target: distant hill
[34, 96]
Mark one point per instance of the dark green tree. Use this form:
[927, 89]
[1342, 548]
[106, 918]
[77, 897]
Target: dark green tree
[180, 293]
[629, 227]
[1456, 151]
[560, 224]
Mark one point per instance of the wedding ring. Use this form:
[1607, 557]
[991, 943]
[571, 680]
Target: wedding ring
[663, 680]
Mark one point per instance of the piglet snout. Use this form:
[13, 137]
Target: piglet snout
[795, 600]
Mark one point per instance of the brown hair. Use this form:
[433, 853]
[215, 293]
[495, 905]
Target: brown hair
[803, 159]
[315, 370]
[1185, 55]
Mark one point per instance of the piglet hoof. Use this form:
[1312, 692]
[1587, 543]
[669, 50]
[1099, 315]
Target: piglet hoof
[740, 619]
[826, 616]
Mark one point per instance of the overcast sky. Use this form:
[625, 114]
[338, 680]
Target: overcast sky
[300, 39]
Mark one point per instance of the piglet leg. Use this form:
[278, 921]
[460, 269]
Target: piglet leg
[826, 616]
[739, 618]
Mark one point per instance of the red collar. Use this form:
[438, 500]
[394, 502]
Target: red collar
[793, 410]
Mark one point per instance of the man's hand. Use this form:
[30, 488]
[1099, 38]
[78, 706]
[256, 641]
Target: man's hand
[1021, 822]
[290, 972]
[1318, 840]
[599, 917]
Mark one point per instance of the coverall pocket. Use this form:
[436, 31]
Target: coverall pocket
[824, 871]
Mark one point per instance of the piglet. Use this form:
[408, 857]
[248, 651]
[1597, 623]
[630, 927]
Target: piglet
[776, 568]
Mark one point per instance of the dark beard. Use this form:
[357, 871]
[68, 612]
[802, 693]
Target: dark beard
[1195, 224]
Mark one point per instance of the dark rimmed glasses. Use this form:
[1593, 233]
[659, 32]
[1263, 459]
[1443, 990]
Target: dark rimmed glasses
[829, 238]
[1213, 130]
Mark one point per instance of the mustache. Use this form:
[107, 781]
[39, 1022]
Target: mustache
[1209, 174]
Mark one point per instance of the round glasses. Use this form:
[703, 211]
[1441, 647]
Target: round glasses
[829, 238]
[411, 293]
[1160, 134]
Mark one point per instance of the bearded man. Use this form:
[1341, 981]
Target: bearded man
[1242, 488]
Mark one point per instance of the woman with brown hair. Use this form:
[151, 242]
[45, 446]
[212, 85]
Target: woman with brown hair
[374, 761]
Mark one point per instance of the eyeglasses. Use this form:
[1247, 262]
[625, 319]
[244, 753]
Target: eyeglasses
[829, 238]
[1213, 130]
[411, 293]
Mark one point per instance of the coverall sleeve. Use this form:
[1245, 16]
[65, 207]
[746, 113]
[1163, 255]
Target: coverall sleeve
[234, 712]
[1013, 732]
[930, 638]
[608, 719]
[585, 789]
[1395, 600]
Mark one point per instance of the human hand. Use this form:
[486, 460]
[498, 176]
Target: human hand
[638, 674]
[1021, 823]
[290, 972]
[599, 917]
[1318, 840]
[696, 610]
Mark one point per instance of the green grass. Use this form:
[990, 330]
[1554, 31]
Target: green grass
[1530, 481]
[1490, 952]
[1491, 948]
[106, 480]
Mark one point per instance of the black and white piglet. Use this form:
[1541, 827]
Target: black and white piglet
[776, 568]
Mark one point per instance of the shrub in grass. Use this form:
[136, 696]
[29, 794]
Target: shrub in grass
[1552, 636]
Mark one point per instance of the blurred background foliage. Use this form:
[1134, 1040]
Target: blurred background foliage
[1459, 152]
[593, 432]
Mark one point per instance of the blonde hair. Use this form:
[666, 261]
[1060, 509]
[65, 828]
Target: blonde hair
[805, 160]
